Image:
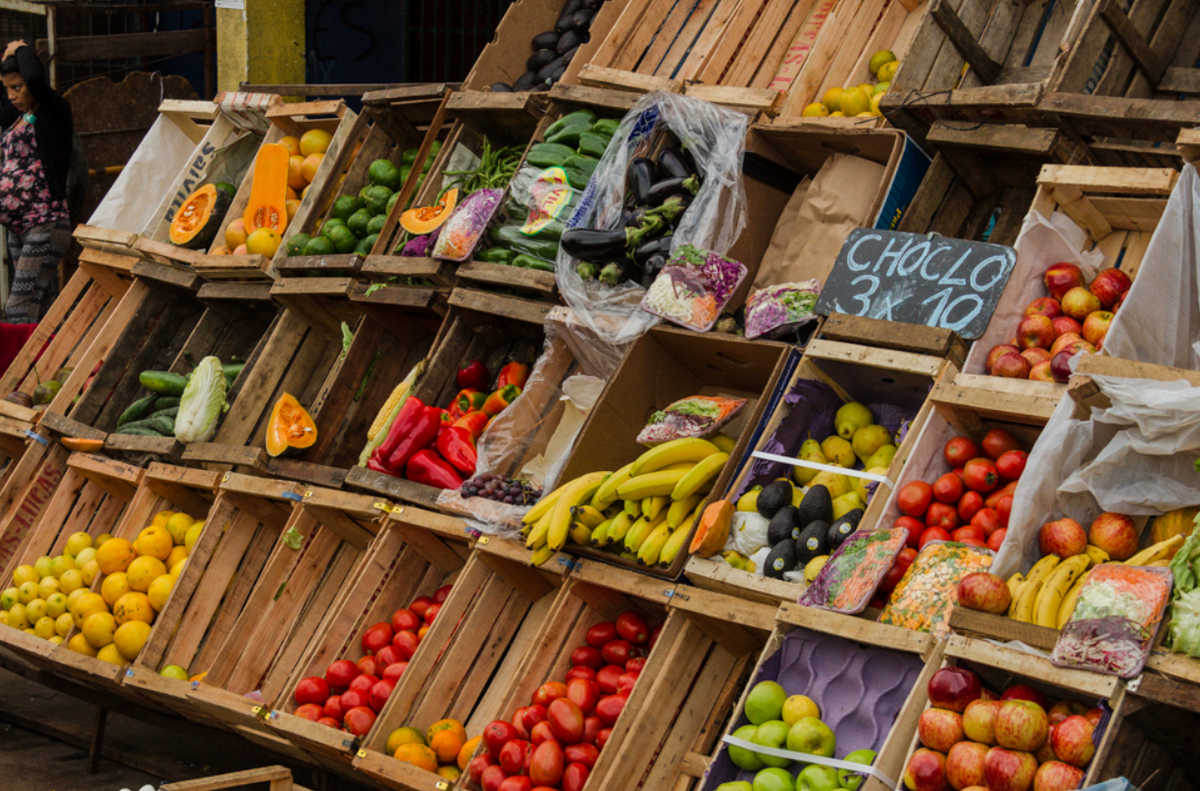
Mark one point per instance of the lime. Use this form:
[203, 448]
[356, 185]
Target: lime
[367, 244]
[319, 245]
[344, 206]
[174, 671]
[879, 58]
[357, 223]
[343, 239]
[409, 156]
[376, 199]
[297, 243]
[226, 187]
[330, 224]
[392, 201]
[376, 223]
[384, 173]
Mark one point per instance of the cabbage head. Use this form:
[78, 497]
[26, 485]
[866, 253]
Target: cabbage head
[202, 403]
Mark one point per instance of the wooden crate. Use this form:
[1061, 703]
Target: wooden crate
[482, 326]
[496, 614]
[286, 118]
[502, 120]
[983, 180]
[1118, 209]
[915, 656]
[855, 373]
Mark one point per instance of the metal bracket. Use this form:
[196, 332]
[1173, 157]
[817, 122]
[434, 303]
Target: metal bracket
[36, 436]
[380, 505]
[292, 496]
[672, 593]
[483, 540]
[1132, 686]
[225, 478]
[361, 753]
[572, 565]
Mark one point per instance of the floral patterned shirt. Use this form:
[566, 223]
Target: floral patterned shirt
[25, 200]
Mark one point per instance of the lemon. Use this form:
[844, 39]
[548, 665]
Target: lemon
[35, 610]
[87, 604]
[114, 587]
[89, 571]
[23, 574]
[888, 71]
[47, 587]
[815, 110]
[42, 566]
[853, 102]
[109, 653]
[881, 88]
[98, 629]
[44, 628]
[160, 590]
[133, 606]
[77, 543]
[61, 565]
[155, 542]
[16, 617]
[178, 525]
[74, 595]
[27, 592]
[100, 539]
[84, 557]
[177, 554]
[3, 617]
[833, 99]
[56, 639]
[264, 241]
[193, 533]
[116, 554]
[174, 671]
[80, 645]
[130, 637]
[177, 569]
[64, 623]
[314, 141]
[56, 605]
[71, 581]
[866, 87]
[144, 571]
[875, 104]
[8, 598]
[162, 517]
[797, 707]
[880, 58]
[837, 114]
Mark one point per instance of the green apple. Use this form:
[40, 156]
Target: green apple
[741, 757]
[774, 779]
[772, 733]
[765, 702]
[852, 780]
[810, 735]
[817, 778]
[736, 785]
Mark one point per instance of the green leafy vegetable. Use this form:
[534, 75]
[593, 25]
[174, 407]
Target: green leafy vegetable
[202, 403]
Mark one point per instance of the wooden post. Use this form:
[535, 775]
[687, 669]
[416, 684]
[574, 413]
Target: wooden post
[97, 746]
[52, 43]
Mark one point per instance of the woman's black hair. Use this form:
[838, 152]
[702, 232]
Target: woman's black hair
[9, 66]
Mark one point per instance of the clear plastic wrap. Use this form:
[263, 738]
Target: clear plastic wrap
[780, 310]
[693, 288]
[854, 572]
[928, 591]
[715, 137]
[694, 416]
[467, 225]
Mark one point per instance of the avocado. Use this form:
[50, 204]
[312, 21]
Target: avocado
[781, 559]
[813, 542]
[840, 530]
[817, 506]
[783, 525]
[775, 495]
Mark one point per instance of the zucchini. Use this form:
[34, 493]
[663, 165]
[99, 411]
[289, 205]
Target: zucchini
[137, 410]
[569, 119]
[138, 425]
[548, 155]
[138, 431]
[163, 382]
[592, 144]
[537, 246]
[529, 262]
[606, 127]
[569, 135]
[495, 255]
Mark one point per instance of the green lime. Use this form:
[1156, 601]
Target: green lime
[297, 243]
[344, 206]
[384, 174]
[392, 202]
[174, 671]
[357, 223]
[342, 238]
[331, 223]
[376, 199]
[320, 245]
[365, 246]
[404, 171]
[375, 225]
[226, 187]
[409, 156]
[362, 193]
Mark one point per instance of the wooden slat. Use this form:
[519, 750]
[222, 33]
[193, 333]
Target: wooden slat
[1127, 181]
[966, 43]
[72, 49]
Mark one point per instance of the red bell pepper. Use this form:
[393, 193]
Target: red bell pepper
[469, 400]
[498, 401]
[457, 446]
[513, 374]
[402, 426]
[430, 469]
[454, 412]
[474, 423]
[473, 375]
[423, 433]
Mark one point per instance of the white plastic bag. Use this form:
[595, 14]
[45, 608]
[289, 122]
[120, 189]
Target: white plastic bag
[715, 137]
[132, 202]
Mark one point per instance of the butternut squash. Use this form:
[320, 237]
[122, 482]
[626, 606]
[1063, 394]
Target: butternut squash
[713, 530]
[290, 427]
[268, 190]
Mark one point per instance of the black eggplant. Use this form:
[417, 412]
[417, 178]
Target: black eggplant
[651, 270]
[659, 246]
[634, 217]
[501, 87]
[639, 177]
[546, 71]
[540, 58]
[546, 40]
[582, 20]
[525, 81]
[593, 245]
[569, 41]
[540, 87]
[673, 164]
[659, 193]
[587, 270]
[558, 73]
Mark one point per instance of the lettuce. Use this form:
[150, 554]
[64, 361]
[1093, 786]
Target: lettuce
[1185, 623]
[202, 403]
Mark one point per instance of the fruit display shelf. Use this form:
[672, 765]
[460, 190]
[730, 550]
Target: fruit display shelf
[838, 373]
[1115, 211]
[867, 682]
[394, 124]
[1152, 741]
[285, 119]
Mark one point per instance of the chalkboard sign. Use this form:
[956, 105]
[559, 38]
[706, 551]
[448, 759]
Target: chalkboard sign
[918, 279]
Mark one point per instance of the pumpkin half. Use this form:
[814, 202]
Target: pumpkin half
[290, 427]
[268, 190]
[429, 218]
[196, 223]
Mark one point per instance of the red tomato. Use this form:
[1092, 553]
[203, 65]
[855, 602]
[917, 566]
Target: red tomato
[1011, 464]
[540, 733]
[971, 542]
[914, 498]
[980, 475]
[492, 778]
[497, 734]
[996, 539]
[549, 692]
[602, 737]
[633, 627]
[478, 764]
[1004, 509]
[339, 674]
[933, 534]
[368, 665]
[441, 594]
[913, 526]
[616, 652]
[376, 637]
[654, 635]
[588, 656]
[432, 612]
[1009, 489]
[420, 605]
[406, 619]
[359, 720]
[529, 716]
[406, 643]
[591, 727]
[513, 756]
[330, 721]
[635, 664]
[585, 754]
[581, 671]
[574, 777]
[601, 633]
[517, 783]
[942, 515]
[899, 566]
[607, 678]
[584, 694]
[310, 711]
[970, 531]
[608, 709]
[959, 451]
[958, 471]
[355, 698]
[997, 442]
[333, 708]
[566, 720]
[380, 694]
[313, 689]
[949, 488]
[988, 521]
[546, 765]
[517, 721]
[969, 505]
[394, 671]
[625, 683]
[363, 682]
[389, 656]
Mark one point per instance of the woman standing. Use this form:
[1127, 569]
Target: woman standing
[36, 146]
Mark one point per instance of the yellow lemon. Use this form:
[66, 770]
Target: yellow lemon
[23, 574]
[888, 71]
[314, 141]
[3, 618]
[815, 110]
[837, 114]
[875, 103]
[98, 629]
[403, 736]
[130, 637]
[114, 587]
[71, 581]
[56, 639]
[177, 554]
[109, 653]
[855, 101]
[8, 598]
[160, 590]
[193, 533]
[879, 59]
[47, 587]
[42, 566]
[74, 595]
[116, 554]
[264, 241]
[162, 517]
[143, 571]
[87, 604]
[27, 592]
[80, 645]
[56, 605]
[177, 526]
[44, 628]
[133, 606]
[833, 99]
[63, 624]
[177, 569]
[100, 539]
[84, 557]
[35, 610]
[174, 671]
[77, 543]
[88, 572]
[61, 565]
[16, 617]
[797, 707]
[155, 542]
[866, 87]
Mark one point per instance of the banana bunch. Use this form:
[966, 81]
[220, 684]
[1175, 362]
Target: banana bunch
[1156, 554]
[644, 511]
[1046, 597]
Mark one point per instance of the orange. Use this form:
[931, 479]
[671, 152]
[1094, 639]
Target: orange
[449, 772]
[314, 141]
[98, 629]
[115, 555]
[403, 736]
[447, 745]
[80, 645]
[454, 726]
[143, 571]
[114, 587]
[309, 168]
[133, 606]
[467, 752]
[154, 541]
[293, 206]
[292, 144]
[296, 173]
[418, 755]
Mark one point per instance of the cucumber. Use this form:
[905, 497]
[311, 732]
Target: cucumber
[139, 425]
[166, 403]
[232, 370]
[163, 425]
[137, 410]
[138, 431]
[170, 412]
[163, 382]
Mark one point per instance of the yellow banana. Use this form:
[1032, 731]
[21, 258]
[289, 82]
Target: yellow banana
[691, 449]
[580, 534]
[724, 442]
[653, 483]
[1096, 555]
[587, 515]
[578, 491]
[1014, 584]
[606, 495]
[620, 526]
[537, 536]
[1023, 606]
[676, 542]
[1042, 569]
[627, 555]
[651, 549]
[600, 537]
[703, 474]
[541, 555]
[543, 506]
[1057, 585]
[680, 510]
[1068, 603]
[651, 506]
[1159, 551]
[633, 508]
[642, 530]
[1161, 563]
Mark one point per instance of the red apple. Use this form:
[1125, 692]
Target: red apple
[1009, 770]
[1057, 776]
[979, 721]
[1060, 365]
[1024, 692]
[1094, 715]
[1063, 709]
[1115, 534]
[1041, 373]
[1061, 278]
[1046, 752]
[997, 352]
[1044, 306]
[1109, 286]
[953, 688]
[1021, 725]
[1072, 741]
[926, 771]
[1035, 331]
[1063, 341]
[1079, 302]
[965, 764]
[1012, 366]
[1065, 325]
[940, 729]
[985, 592]
[1062, 537]
[1036, 355]
[1095, 327]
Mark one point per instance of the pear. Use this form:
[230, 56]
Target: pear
[847, 503]
[749, 500]
[44, 393]
[869, 439]
[864, 486]
[838, 451]
[882, 457]
[809, 451]
[835, 483]
[850, 418]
